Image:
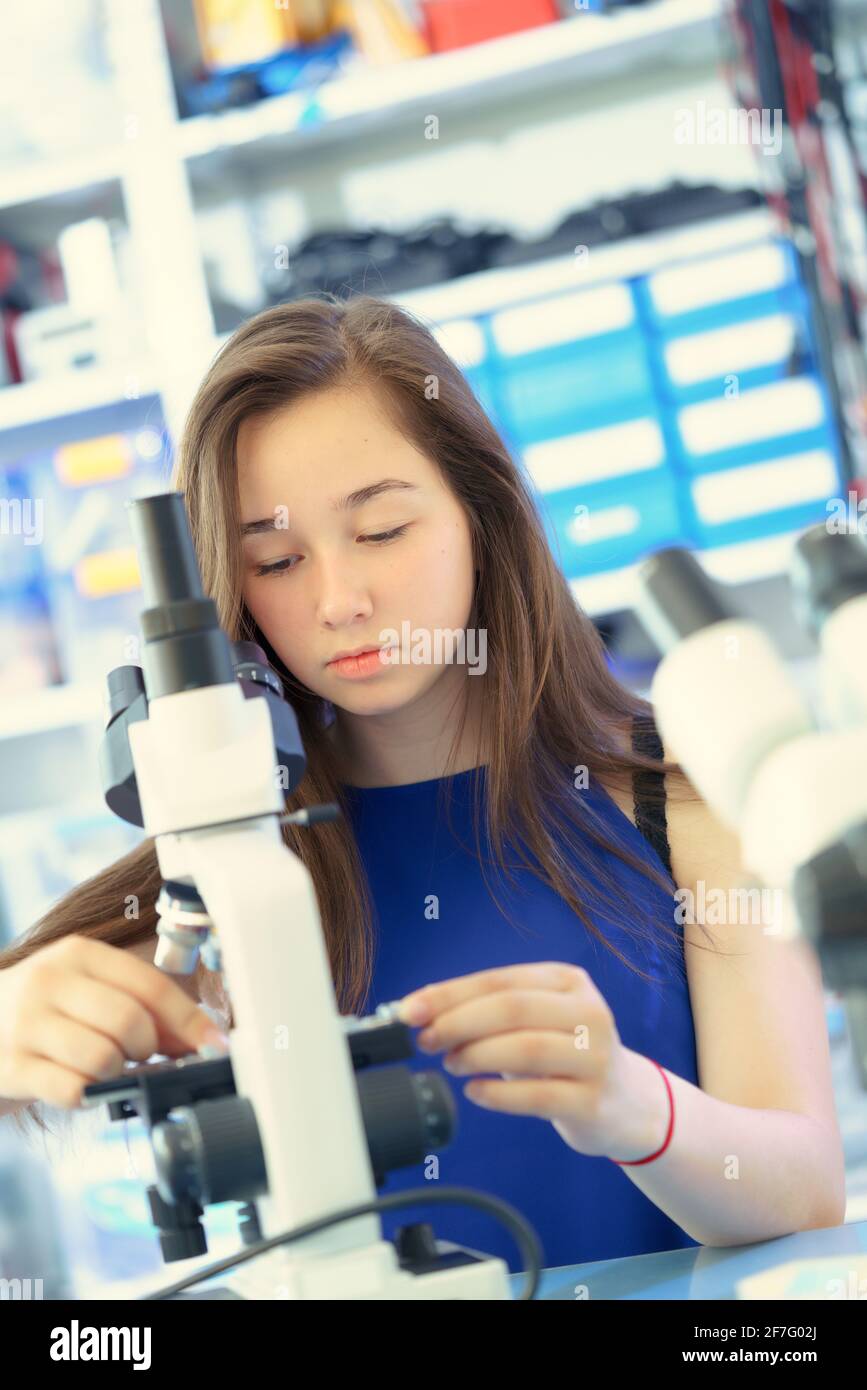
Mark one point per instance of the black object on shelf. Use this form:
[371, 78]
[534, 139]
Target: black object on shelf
[635, 215]
[378, 261]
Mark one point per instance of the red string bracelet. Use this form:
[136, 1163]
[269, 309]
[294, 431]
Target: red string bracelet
[630, 1163]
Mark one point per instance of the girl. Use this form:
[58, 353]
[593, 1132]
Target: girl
[507, 857]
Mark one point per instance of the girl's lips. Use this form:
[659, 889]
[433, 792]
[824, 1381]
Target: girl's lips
[355, 667]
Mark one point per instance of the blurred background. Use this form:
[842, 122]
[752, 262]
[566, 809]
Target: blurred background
[659, 302]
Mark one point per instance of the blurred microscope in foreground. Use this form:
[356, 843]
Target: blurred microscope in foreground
[792, 784]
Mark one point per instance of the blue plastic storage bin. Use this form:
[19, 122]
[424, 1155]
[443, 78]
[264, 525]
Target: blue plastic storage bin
[776, 340]
[581, 386]
[607, 525]
[788, 417]
[711, 291]
[787, 492]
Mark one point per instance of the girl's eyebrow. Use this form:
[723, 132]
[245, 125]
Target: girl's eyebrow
[342, 504]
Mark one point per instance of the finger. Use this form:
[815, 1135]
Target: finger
[38, 1079]
[114, 1013]
[448, 994]
[178, 1018]
[512, 1010]
[547, 1100]
[524, 1053]
[92, 1054]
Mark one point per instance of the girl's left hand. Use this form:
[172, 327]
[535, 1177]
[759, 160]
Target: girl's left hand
[552, 1037]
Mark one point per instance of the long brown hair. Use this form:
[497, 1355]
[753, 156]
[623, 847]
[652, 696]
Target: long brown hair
[551, 704]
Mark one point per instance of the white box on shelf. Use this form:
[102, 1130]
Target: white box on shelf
[60, 338]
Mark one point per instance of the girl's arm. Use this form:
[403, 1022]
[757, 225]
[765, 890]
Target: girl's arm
[756, 1151]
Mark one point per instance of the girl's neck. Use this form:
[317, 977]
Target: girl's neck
[374, 751]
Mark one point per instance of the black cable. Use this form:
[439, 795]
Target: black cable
[525, 1237]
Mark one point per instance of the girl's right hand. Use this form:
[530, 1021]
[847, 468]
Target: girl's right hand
[75, 1010]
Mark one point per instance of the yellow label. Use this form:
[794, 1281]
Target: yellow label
[234, 32]
[93, 460]
[108, 572]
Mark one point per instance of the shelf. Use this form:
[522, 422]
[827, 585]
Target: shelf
[38, 180]
[489, 290]
[589, 47]
[55, 707]
[89, 388]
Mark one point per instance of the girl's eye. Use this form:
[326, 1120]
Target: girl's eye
[280, 566]
[277, 567]
[385, 535]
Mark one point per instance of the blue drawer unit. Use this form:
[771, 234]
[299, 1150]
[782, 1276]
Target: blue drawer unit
[786, 492]
[570, 362]
[716, 363]
[588, 457]
[749, 420]
[466, 341]
[607, 525]
[748, 282]
[561, 390]
[786, 417]
[680, 406]
[779, 464]
[482, 384]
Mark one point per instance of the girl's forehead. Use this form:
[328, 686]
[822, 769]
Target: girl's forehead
[318, 428]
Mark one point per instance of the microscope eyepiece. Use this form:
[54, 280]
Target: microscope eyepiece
[184, 646]
[827, 569]
[167, 558]
[676, 597]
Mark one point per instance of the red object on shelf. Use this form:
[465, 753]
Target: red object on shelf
[8, 320]
[459, 23]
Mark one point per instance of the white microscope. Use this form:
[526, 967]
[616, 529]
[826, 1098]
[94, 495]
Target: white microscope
[304, 1118]
[792, 785]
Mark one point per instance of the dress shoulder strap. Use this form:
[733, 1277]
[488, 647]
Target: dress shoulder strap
[648, 789]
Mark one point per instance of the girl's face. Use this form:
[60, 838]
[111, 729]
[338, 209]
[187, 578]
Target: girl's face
[339, 584]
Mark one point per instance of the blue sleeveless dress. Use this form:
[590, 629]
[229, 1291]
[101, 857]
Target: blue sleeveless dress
[583, 1208]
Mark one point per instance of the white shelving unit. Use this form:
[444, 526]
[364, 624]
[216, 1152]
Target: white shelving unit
[56, 398]
[57, 707]
[50, 179]
[156, 169]
[589, 48]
